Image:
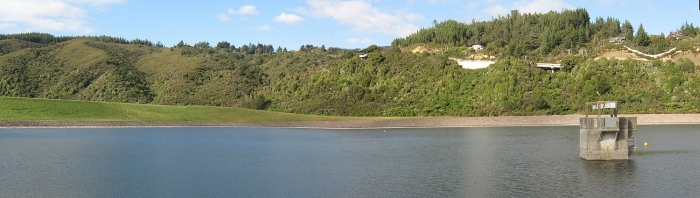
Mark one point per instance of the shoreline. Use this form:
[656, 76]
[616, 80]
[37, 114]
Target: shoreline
[420, 122]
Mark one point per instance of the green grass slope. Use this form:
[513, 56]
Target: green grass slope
[63, 110]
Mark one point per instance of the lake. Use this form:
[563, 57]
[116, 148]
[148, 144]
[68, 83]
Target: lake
[278, 162]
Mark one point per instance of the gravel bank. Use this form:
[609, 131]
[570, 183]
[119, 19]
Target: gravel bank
[642, 119]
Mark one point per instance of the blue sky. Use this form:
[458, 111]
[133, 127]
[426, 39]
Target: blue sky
[290, 24]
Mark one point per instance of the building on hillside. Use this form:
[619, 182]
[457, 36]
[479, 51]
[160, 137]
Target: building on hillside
[477, 47]
[363, 56]
[677, 35]
[618, 39]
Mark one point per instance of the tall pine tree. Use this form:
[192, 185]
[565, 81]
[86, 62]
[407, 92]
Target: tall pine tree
[628, 29]
[642, 38]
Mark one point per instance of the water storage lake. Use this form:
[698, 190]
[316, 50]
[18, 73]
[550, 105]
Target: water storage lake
[277, 162]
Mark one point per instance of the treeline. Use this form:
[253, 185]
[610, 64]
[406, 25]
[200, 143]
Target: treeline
[45, 38]
[515, 34]
[537, 35]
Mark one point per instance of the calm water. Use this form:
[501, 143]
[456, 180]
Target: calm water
[262, 162]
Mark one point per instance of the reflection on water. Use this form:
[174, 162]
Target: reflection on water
[260, 162]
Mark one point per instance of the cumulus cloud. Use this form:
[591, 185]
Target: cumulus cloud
[246, 9]
[496, 10]
[263, 28]
[49, 15]
[527, 6]
[288, 18]
[97, 2]
[359, 41]
[363, 16]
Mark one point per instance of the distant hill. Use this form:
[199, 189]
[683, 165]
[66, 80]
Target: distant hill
[388, 82]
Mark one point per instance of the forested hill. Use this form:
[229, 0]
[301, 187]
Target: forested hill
[333, 81]
[541, 35]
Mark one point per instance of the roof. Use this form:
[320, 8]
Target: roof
[617, 39]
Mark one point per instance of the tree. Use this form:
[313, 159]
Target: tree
[180, 44]
[223, 45]
[642, 38]
[279, 49]
[269, 49]
[202, 44]
[259, 49]
[323, 48]
[569, 62]
[159, 45]
[628, 29]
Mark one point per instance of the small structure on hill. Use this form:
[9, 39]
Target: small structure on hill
[603, 137]
[363, 56]
[618, 39]
[474, 64]
[677, 35]
[477, 47]
[549, 66]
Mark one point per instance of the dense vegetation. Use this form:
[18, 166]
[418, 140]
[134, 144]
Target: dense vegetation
[540, 35]
[394, 82]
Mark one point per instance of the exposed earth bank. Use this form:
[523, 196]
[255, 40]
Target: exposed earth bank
[429, 122]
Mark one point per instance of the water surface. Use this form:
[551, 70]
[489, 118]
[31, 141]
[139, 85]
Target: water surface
[274, 162]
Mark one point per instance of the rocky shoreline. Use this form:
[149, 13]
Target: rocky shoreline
[429, 122]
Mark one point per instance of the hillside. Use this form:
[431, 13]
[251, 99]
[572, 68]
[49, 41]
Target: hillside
[71, 110]
[393, 82]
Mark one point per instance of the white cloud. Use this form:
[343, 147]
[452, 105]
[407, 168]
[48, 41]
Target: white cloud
[363, 17]
[246, 9]
[359, 41]
[472, 5]
[97, 2]
[413, 17]
[496, 10]
[527, 6]
[49, 15]
[652, 10]
[541, 6]
[263, 28]
[6, 25]
[223, 17]
[606, 1]
[288, 18]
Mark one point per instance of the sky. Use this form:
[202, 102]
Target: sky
[292, 23]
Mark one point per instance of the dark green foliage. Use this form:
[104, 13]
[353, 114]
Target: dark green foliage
[689, 29]
[686, 65]
[516, 34]
[223, 45]
[570, 61]
[628, 30]
[642, 37]
[44, 38]
[202, 44]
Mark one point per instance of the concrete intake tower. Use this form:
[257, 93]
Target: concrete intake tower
[603, 135]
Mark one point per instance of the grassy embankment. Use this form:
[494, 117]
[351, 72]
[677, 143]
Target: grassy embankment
[64, 110]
